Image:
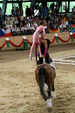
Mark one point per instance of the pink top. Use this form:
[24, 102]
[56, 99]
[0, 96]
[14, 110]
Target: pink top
[36, 36]
[37, 33]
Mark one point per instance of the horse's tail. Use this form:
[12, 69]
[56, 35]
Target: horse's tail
[41, 82]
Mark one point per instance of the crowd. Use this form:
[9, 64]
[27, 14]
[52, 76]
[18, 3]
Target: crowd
[20, 25]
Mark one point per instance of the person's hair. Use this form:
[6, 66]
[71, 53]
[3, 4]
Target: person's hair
[42, 21]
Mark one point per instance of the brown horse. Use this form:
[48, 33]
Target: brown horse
[45, 74]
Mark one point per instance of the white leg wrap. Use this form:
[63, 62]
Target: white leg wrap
[49, 102]
[45, 86]
[54, 95]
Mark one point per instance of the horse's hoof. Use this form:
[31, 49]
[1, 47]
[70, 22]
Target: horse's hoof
[49, 109]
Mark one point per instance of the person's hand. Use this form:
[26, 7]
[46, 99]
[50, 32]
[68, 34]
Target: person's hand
[30, 56]
[43, 56]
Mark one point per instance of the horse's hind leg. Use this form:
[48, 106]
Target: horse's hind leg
[53, 89]
[49, 92]
[49, 100]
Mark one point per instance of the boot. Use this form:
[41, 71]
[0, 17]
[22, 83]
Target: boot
[40, 61]
[50, 59]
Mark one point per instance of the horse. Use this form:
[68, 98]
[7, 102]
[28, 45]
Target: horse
[45, 75]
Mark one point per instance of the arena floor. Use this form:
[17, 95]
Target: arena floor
[19, 92]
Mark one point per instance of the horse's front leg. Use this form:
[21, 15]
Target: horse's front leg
[53, 89]
[49, 100]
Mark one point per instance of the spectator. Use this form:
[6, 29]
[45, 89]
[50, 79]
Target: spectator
[27, 11]
[13, 11]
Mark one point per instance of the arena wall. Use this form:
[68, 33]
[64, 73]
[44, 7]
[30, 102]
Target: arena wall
[17, 39]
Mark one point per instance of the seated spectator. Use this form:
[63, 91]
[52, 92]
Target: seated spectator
[14, 30]
[24, 20]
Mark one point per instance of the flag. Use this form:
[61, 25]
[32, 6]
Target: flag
[54, 30]
[5, 33]
[72, 28]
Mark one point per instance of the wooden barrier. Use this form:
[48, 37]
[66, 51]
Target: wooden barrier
[17, 39]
